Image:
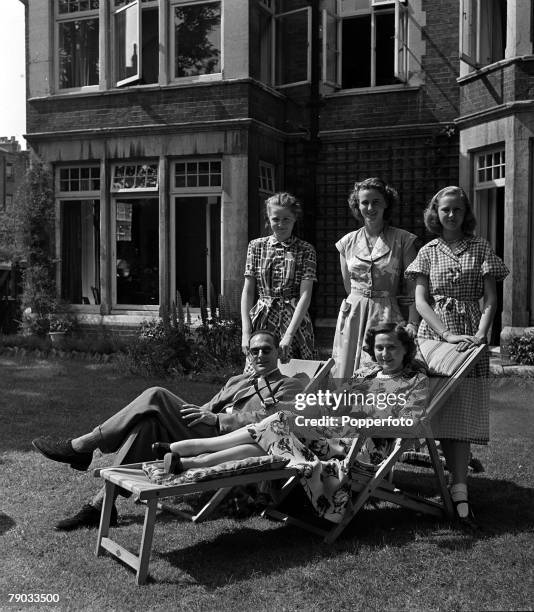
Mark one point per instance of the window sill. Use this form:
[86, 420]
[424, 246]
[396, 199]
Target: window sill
[372, 90]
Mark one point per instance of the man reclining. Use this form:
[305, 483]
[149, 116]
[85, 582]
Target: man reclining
[159, 415]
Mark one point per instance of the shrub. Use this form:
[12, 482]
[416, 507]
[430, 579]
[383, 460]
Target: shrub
[175, 346]
[522, 349]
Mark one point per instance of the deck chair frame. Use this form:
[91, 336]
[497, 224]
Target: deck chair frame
[132, 479]
[378, 485]
[317, 371]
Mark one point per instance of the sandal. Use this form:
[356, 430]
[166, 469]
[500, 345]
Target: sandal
[172, 464]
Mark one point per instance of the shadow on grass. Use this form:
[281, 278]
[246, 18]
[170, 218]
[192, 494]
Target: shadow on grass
[501, 508]
[6, 523]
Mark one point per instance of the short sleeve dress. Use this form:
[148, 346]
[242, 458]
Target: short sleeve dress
[456, 284]
[375, 280]
[278, 269]
[321, 458]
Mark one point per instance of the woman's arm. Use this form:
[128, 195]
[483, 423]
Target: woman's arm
[345, 272]
[247, 298]
[306, 288]
[413, 316]
[488, 309]
[432, 319]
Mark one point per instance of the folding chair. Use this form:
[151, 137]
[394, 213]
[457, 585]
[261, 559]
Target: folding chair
[375, 484]
[132, 478]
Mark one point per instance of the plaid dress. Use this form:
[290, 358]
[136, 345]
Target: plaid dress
[278, 268]
[456, 284]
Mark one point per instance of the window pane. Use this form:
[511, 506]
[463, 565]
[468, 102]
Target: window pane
[126, 41]
[197, 39]
[80, 251]
[385, 49]
[137, 241]
[261, 41]
[292, 42]
[78, 53]
[356, 52]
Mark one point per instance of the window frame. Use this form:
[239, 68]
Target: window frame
[277, 51]
[470, 38]
[114, 42]
[133, 190]
[214, 76]
[60, 18]
[198, 190]
[401, 47]
[184, 192]
[10, 171]
[493, 182]
[262, 165]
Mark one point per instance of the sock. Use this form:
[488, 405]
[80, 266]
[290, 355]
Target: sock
[459, 494]
[86, 443]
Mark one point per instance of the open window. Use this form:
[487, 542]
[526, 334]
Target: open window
[373, 37]
[482, 31]
[293, 47]
[135, 41]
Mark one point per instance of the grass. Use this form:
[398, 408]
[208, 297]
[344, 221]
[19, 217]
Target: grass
[388, 559]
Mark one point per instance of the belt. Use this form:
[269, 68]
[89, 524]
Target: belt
[370, 293]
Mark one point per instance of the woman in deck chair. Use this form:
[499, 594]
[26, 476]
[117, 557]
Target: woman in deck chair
[453, 272]
[320, 455]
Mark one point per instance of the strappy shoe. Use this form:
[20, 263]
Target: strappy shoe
[172, 463]
[468, 522]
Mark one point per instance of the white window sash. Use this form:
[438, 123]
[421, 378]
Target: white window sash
[468, 40]
[327, 43]
[400, 49]
[308, 67]
[116, 13]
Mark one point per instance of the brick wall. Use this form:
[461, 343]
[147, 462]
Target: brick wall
[499, 85]
[416, 164]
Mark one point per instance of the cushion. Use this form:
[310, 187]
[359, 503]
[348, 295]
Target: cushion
[155, 473]
[442, 358]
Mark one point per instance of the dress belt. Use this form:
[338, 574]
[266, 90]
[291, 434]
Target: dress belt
[370, 293]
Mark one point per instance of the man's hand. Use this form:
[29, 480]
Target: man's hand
[195, 415]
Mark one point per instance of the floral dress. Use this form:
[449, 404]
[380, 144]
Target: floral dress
[278, 269]
[375, 281]
[321, 455]
[456, 284]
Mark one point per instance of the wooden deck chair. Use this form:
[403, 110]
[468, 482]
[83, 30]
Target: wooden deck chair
[449, 368]
[316, 372]
[132, 479]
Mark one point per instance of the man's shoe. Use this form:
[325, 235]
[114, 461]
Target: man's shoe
[88, 516]
[61, 450]
[160, 449]
[172, 464]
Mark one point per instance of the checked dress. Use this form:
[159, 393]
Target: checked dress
[456, 284]
[278, 269]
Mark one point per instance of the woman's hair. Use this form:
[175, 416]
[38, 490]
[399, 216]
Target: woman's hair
[265, 332]
[391, 328]
[389, 194]
[286, 200]
[431, 217]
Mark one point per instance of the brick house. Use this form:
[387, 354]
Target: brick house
[13, 164]
[168, 122]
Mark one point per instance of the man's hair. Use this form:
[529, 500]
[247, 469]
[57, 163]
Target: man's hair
[265, 332]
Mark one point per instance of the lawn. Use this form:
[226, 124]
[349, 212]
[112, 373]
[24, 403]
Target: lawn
[388, 559]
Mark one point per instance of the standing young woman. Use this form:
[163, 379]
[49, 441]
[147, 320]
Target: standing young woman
[282, 268]
[373, 260]
[453, 272]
